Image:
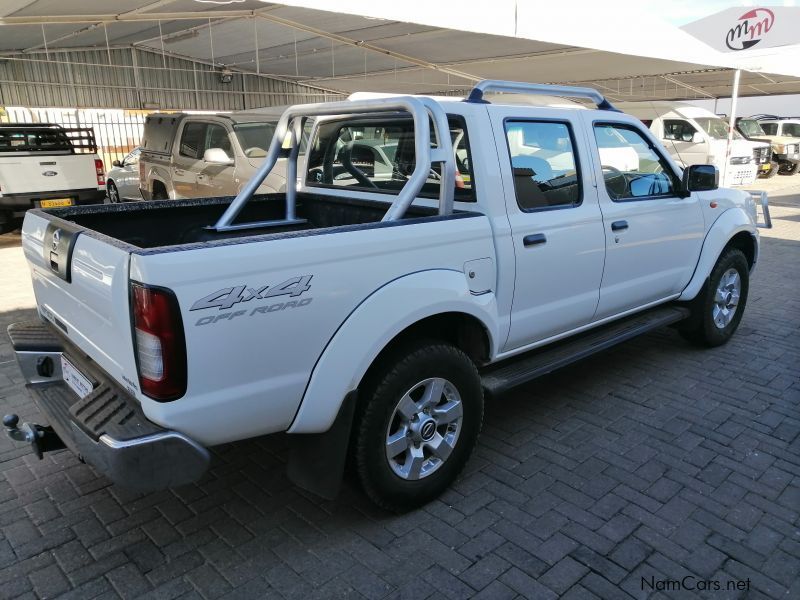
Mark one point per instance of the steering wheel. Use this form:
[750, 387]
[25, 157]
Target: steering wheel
[615, 189]
[347, 163]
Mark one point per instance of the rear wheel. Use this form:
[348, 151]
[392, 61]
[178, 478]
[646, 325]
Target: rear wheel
[420, 424]
[718, 308]
[113, 192]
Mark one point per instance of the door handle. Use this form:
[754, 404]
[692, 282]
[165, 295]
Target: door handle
[178, 171]
[619, 225]
[534, 239]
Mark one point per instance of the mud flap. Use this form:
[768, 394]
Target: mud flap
[317, 460]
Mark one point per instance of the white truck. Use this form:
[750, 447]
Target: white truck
[367, 314]
[694, 135]
[43, 165]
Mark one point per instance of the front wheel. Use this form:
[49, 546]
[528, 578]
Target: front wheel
[718, 308]
[423, 413]
[788, 168]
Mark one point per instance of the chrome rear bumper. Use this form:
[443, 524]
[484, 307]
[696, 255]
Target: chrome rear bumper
[107, 428]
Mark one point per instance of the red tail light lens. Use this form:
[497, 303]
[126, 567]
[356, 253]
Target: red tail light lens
[159, 342]
[101, 172]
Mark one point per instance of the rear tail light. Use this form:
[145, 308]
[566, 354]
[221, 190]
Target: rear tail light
[159, 342]
[100, 171]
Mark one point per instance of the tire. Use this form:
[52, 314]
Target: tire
[112, 192]
[395, 400]
[159, 192]
[773, 170]
[787, 168]
[716, 312]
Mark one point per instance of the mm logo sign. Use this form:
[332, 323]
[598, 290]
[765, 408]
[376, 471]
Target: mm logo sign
[750, 29]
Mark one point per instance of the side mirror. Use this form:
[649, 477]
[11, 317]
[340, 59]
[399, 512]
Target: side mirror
[217, 156]
[700, 178]
[116, 163]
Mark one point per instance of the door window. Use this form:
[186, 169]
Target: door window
[632, 168]
[678, 130]
[217, 137]
[193, 140]
[543, 164]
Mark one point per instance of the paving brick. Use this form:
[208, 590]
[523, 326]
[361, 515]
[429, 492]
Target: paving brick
[651, 460]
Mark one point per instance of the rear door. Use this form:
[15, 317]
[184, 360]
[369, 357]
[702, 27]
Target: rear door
[555, 222]
[653, 236]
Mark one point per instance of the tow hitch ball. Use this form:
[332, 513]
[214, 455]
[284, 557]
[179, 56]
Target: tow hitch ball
[42, 439]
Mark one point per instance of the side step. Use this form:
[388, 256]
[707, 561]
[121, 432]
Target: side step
[516, 371]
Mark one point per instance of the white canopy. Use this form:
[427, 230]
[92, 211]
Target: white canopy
[410, 46]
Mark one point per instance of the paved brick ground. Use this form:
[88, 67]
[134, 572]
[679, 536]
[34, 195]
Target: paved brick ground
[654, 460]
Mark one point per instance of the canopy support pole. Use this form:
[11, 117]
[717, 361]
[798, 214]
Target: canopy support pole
[731, 126]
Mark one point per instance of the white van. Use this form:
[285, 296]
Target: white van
[694, 135]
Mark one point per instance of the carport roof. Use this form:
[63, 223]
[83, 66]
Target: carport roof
[444, 50]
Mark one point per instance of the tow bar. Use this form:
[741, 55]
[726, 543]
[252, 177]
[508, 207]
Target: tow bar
[42, 439]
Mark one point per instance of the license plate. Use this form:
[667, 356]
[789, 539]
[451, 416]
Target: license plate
[54, 202]
[77, 381]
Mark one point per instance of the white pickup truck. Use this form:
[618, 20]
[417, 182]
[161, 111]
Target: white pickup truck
[44, 165]
[367, 313]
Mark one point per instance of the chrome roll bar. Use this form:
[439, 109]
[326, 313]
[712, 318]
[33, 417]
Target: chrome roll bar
[422, 110]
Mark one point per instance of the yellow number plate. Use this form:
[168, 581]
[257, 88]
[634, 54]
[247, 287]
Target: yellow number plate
[52, 203]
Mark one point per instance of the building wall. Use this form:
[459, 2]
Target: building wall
[138, 79]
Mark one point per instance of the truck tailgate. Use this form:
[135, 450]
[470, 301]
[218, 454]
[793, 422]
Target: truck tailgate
[86, 296]
[24, 174]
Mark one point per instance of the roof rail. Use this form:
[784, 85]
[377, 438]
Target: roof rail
[764, 116]
[517, 87]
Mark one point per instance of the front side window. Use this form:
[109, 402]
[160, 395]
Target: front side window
[678, 130]
[217, 137]
[379, 156]
[543, 164]
[632, 169]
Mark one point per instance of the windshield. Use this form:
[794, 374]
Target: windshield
[716, 128]
[750, 127]
[254, 138]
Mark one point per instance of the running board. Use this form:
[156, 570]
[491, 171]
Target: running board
[516, 371]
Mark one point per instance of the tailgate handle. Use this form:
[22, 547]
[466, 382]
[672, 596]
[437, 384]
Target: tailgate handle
[57, 246]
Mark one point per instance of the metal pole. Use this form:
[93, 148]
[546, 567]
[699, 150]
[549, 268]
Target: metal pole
[731, 126]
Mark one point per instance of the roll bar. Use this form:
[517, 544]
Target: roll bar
[542, 89]
[422, 110]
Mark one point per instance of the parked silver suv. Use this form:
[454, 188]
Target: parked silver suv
[196, 155]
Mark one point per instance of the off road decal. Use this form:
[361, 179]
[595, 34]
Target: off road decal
[226, 298]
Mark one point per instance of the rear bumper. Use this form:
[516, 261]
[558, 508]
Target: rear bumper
[19, 203]
[107, 428]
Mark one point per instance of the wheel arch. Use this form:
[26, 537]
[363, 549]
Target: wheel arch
[733, 228]
[435, 304]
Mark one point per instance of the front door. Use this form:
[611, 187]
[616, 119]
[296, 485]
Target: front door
[653, 235]
[555, 222]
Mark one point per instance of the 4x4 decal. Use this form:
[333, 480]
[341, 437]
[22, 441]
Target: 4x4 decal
[225, 298]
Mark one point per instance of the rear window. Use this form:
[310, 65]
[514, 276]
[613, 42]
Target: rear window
[378, 155]
[21, 140]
